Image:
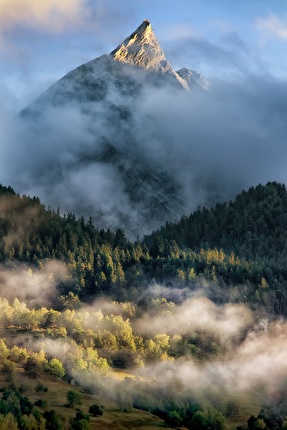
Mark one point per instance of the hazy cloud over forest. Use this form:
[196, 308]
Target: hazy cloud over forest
[30, 285]
[213, 143]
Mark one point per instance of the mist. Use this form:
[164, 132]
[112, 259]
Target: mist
[256, 365]
[209, 145]
[216, 352]
[252, 361]
[33, 286]
[196, 313]
[220, 141]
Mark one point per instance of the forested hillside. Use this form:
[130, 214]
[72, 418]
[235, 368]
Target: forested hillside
[238, 247]
[252, 226]
[240, 242]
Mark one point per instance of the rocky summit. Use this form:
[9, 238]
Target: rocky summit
[142, 49]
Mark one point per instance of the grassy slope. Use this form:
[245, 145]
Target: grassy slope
[112, 418]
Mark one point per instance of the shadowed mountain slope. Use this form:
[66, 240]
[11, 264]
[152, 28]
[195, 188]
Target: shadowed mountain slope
[91, 118]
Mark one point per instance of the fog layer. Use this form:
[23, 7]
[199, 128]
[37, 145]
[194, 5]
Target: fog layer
[134, 151]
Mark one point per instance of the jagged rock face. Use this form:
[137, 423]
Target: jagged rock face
[193, 78]
[142, 49]
[106, 92]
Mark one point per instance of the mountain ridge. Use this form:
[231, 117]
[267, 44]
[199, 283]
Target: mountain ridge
[104, 95]
[142, 50]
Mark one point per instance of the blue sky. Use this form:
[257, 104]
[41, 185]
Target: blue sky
[41, 40]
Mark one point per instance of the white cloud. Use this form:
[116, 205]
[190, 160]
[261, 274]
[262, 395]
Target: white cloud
[52, 15]
[273, 26]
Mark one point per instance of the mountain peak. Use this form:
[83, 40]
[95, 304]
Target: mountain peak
[142, 49]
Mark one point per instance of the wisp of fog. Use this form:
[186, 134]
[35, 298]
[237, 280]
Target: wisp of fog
[210, 144]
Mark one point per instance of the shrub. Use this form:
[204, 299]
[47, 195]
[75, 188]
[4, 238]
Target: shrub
[73, 399]
[41, 403]
[40, 388]
[96, 410]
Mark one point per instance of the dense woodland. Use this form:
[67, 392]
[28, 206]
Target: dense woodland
[234, 253]
[239, 247]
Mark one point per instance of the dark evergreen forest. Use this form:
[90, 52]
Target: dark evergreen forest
[238, 247]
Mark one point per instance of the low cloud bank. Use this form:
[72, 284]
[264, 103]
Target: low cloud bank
[210, 144]
[32, 285]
